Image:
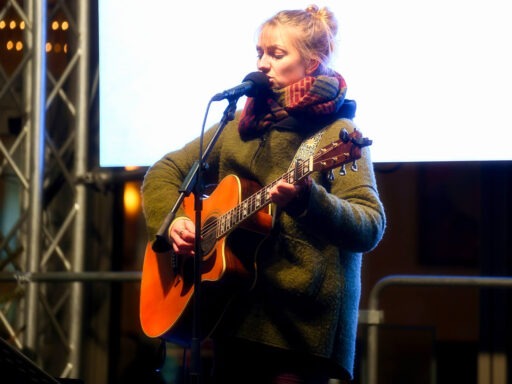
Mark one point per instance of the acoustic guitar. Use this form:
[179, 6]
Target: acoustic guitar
[236, 218]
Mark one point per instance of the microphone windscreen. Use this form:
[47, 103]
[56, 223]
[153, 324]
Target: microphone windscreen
[261, 83]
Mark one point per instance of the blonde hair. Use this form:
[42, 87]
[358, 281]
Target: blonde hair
[316, 33]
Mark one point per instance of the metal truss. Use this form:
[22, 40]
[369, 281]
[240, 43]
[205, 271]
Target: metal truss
[44, 83]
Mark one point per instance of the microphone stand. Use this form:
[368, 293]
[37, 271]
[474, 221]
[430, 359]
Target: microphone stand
[193, 182]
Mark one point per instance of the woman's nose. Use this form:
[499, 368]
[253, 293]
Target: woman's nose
[263, 64]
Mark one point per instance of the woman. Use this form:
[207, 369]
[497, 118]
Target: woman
[298, 322]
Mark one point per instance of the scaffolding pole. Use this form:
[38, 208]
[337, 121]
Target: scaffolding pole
[36, 166]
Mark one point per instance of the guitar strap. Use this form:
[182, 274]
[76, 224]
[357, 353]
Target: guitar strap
[307, 148]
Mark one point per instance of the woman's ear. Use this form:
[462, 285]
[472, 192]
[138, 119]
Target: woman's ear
[312, 67]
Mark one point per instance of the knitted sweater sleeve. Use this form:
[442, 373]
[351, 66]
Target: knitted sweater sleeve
[347, 212]
[162, 182]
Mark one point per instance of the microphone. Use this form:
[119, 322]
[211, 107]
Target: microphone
[253, 84]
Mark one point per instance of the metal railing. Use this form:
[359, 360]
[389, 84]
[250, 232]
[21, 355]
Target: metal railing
[373, 317]
[68, 277]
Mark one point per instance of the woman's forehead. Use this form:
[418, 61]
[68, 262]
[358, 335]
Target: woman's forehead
[276, 35]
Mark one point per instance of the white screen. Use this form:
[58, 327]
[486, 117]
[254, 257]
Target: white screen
[432, 79]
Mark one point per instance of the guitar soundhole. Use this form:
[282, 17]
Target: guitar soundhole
[209, 236]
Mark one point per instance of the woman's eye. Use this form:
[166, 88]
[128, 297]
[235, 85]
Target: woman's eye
[277, 54]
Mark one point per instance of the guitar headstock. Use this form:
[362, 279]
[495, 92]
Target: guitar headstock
[340, 152]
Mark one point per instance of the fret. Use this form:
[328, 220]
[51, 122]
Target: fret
[257, 200]
[245, 209]
[222, 222]
[236, 216]
[229, 218]
[228, 221]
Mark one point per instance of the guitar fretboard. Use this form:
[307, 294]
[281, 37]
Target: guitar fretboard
[259, 199]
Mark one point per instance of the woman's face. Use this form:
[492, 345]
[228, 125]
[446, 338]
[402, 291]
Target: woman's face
[278, 58]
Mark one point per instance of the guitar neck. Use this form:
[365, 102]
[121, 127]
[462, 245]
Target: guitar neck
[260, 199]
[346, 149]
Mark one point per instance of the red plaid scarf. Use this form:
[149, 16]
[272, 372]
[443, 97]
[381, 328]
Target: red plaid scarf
[310, 96]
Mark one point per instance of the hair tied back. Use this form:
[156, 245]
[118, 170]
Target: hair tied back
[312, 9]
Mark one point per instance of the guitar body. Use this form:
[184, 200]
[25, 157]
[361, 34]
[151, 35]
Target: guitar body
[167, 288]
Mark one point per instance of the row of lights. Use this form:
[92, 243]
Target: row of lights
[18, 47]
[12, 45]
[13, 24]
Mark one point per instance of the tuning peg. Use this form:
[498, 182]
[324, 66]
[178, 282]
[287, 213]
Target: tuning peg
[330, 175]
[344, 136]
[343, 171]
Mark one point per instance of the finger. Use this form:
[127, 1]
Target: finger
[189, 226]
[183, 247]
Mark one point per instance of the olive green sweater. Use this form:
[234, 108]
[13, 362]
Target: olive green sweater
[308, 282]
